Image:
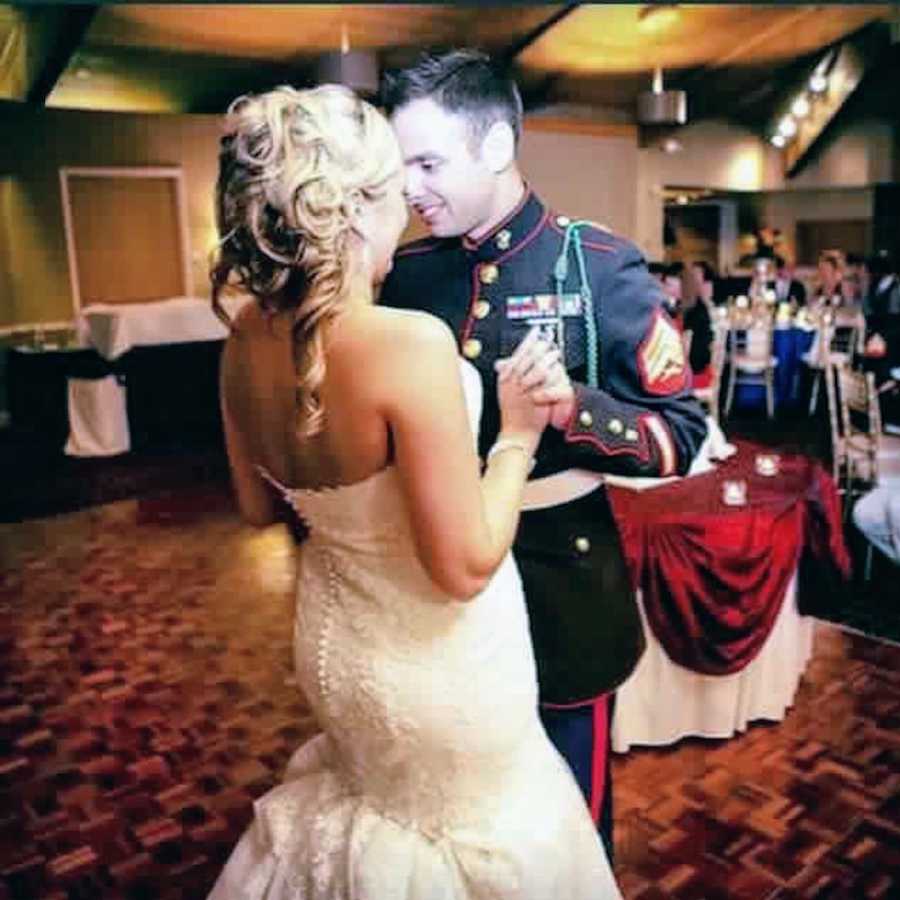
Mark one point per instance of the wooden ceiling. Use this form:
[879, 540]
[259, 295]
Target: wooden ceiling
[735, 60]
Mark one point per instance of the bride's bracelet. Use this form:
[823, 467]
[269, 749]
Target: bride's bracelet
[507, 444]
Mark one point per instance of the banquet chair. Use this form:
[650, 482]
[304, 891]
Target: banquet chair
[838, 455]
[752, 361]
[709, 395]
[837, 341]
[860, 425]
[861, 437]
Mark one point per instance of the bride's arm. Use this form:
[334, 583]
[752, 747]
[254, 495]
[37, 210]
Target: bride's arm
[463, 524]
[253, 498]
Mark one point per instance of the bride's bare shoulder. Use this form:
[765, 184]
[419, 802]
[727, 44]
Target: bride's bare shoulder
[373, 329]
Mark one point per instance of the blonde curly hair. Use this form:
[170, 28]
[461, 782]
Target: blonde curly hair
[293, 165]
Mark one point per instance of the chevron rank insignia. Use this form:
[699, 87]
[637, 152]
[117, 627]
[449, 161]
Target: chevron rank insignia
[661, 358]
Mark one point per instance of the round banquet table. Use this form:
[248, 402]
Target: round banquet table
[720, 592]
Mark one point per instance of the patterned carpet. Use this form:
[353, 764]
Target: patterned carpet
[146, 698]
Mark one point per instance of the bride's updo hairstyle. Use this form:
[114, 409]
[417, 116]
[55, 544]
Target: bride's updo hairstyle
[293, 167]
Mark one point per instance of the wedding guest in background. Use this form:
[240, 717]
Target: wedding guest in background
[828, 287]
[787, 287]
[695, 317]
[877, 516]
[881, 307]
[854, 278]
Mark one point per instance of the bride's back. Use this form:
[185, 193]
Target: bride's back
[259, 384]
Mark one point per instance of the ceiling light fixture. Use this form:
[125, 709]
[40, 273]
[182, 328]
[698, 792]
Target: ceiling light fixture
[818, 83]
[800, 107]
[671, 145]
[356, 69]
[659, 106]
[787, 126]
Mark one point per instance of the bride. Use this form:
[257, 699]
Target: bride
[432, 778]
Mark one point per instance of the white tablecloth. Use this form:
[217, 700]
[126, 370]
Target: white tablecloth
[98, 420]
[113, 329]
[662, 702]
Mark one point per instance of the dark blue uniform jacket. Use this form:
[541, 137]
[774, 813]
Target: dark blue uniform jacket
[640, 420]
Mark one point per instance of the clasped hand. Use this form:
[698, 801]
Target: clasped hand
[537, 370]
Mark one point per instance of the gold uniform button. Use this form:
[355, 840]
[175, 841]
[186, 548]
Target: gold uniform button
[481, 309]
[582, 544]
[472, 348]
[563, 221]
[630, 434]
[585, 419]
[615, 426]
[489, 274]
[503, 239]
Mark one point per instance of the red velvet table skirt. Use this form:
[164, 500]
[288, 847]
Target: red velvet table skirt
[713, 576]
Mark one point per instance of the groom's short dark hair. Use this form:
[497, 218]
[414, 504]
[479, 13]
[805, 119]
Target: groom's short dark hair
[465, 82]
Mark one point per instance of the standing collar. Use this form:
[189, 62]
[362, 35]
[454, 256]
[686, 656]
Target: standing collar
[512, 231]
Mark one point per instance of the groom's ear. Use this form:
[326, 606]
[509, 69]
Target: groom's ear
[498, 147]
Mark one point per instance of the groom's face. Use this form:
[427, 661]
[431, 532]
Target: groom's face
[447, 181]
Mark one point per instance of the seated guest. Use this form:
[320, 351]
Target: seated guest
[703, 278]
[657, 270]
[877, 516]
[854, 278]
[763, 279]
[669, 277]
[881, 304]
[881, 307]
[829, 287]
[695, 318]
[787, 287]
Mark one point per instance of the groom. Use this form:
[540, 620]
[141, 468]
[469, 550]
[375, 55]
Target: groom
[498, 263]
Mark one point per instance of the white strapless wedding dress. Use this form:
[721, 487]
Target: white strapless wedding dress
[433, 779]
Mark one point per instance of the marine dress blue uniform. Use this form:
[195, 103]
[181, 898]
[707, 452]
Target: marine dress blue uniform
[589, 291]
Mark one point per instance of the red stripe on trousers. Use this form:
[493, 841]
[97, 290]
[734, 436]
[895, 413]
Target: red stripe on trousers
[598, 759]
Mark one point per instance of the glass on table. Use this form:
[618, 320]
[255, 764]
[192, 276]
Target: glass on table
[767, 464]
[734, 492]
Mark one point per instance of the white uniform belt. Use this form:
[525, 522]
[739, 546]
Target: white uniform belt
[561, 487]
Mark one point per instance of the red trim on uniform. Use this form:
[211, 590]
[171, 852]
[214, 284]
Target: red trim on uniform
[470, 318]
[668, 456]
[666, 386]
[474, 245]
[476, 289]
[525, 240]
[576, 705]
[598, 757]
[591, 438]
[415, 248]
[607, 247]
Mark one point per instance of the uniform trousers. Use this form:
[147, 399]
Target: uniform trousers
[586, 632]
[583, 737]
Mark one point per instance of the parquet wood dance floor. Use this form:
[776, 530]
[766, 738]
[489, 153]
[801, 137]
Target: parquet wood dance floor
[147, 697]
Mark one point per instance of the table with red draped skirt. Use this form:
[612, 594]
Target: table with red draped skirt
[718, 592]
